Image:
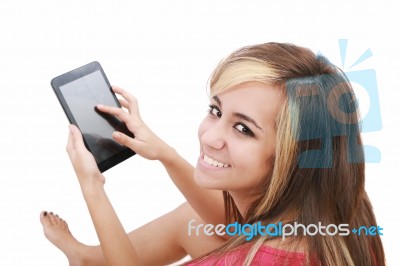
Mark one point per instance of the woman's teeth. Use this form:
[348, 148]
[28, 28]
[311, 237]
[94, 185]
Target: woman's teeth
[212, 162]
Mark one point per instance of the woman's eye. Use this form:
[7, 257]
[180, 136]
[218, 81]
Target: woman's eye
[214, 111]
[244, 129]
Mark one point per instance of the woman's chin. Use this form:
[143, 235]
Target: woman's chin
[205, 181]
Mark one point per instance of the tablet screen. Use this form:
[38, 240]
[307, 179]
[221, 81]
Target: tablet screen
[79, 96]
[82, 95]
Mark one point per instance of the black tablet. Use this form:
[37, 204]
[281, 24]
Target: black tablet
[79, 91]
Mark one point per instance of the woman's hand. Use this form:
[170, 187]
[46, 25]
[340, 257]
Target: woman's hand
[145, 143]
[82, 160]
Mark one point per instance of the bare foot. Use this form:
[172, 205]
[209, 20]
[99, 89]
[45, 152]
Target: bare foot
[57, 232]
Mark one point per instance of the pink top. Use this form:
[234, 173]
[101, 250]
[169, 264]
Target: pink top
[264, 256]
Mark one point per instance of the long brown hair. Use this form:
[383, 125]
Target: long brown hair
[318, 173]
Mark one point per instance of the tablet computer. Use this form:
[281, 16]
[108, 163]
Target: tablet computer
[79, 91]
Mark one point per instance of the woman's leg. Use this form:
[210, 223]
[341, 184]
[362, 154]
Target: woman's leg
[159, 242]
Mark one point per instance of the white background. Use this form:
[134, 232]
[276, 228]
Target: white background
[163, 52]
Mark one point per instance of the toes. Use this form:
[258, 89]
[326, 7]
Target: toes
[51, 219]
[44, 218]
[54, 219]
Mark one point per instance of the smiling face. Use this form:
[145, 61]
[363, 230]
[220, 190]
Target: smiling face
[237, 138]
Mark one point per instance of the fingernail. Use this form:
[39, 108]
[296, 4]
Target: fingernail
[45, 213]
[116, 135]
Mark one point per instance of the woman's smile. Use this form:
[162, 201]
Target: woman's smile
[210, 161]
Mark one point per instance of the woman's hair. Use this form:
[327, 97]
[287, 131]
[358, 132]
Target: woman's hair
[318, 173]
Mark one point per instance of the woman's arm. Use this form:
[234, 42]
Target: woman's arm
[207, 203]
[115, 244]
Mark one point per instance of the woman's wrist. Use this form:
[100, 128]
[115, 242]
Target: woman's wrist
[92, 186]
[168, 155]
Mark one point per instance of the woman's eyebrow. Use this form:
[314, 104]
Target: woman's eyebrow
[217, 100]
[248, 119]
[240, 115]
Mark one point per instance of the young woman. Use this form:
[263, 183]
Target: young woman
[280, 146]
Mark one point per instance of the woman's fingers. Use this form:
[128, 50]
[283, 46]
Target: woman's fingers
[124, 103]
[122, 92]
[82, 160]
[75, 140]
[132, 101]
[70, 144]
[135, 145]
[75, 145]
[127, 101]
[125, 140]
[115, 111]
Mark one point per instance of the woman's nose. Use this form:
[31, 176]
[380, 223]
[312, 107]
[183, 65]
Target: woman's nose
[214, 136]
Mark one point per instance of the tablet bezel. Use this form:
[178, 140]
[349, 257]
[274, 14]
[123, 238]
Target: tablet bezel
[78, 73]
